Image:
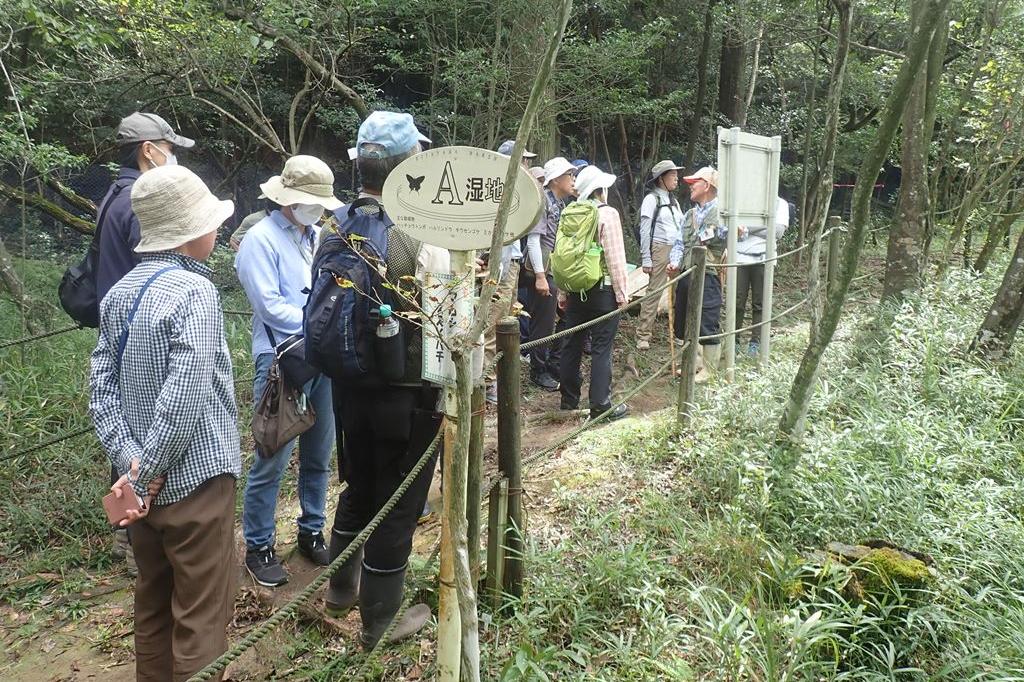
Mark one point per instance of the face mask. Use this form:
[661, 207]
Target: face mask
[169, 158]
[307, 214]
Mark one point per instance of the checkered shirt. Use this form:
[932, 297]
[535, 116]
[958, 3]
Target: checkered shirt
[172, 405]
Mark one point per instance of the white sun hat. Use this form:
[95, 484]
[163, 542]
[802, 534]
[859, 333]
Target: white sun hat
[591, 179]
[174, 207]
[556, 168]
[304, 180]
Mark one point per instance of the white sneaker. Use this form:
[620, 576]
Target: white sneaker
[643, 345]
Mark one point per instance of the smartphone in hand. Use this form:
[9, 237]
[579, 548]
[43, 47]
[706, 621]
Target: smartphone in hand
[117, 508]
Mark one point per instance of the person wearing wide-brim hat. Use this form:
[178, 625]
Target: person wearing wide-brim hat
[660, 225]
[274, 266]
[608, 294]
[163, 403]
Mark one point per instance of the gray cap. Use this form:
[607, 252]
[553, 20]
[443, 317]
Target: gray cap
[140, 127]
[663, 167]
[506, 149]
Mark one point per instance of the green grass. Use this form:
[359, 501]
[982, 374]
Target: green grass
[688, 557]
[51, 519]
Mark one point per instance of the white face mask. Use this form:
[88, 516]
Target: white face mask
[169, 158]
[307, 214]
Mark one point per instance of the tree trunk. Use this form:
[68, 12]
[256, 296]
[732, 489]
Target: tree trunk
[1004, 316]
[998, 229]
[732, 63]
[752, 81]
[41, 203]
[821, 191]
[907, 235]
[791, 425]
[702, 85]
[12, 283]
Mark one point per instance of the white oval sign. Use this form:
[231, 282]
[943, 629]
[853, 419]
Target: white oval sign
[449, 196]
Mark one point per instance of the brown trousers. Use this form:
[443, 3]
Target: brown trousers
[184, 595]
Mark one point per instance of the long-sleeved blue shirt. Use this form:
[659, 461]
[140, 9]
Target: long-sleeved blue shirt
[274, 266]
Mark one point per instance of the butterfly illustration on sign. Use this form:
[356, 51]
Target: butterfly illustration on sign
[415, 183]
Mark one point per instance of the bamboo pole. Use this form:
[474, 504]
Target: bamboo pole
[691, 333]
[476, 452]
[671, 325]
[496, 528]
[510, 450]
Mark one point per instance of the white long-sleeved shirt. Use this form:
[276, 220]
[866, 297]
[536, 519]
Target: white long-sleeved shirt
[751, 248]
[668, 227]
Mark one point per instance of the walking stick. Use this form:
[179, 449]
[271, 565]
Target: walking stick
[672, 326]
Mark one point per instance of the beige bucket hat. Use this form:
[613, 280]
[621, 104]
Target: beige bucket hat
[304, 180]
[174, 207]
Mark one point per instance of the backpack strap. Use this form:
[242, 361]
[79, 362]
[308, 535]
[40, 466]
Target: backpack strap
[94, 245]
[123, 341]
[366, 201]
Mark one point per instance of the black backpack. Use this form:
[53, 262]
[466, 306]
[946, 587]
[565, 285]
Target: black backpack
[77, 289]
[338, 319]
[654, 218]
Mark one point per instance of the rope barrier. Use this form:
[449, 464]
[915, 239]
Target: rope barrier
[298, 600]
[618, 311]
[36, 337]
[752, 327]
[47, 443]
[246, 313]
[782, 255]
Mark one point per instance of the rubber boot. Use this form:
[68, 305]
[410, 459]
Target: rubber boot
[380, 597]
[712, 356]
[343, 591]
[700, 373]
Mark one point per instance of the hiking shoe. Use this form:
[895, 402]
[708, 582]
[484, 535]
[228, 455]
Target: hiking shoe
[618, 413]
[491, 394]
[122, 549]
[263, 566]
[313, 547]
[544, 381]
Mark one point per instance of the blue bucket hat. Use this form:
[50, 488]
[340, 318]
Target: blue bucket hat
[506, 149]
[394, 133]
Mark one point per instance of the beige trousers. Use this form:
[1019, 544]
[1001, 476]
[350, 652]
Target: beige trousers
[659, 275]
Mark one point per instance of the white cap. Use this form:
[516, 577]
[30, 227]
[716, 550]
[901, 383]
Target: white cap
[555, 168]
[591, 179]
[174, 207]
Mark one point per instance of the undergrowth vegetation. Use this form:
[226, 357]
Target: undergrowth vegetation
[51, 520]
[667, 557]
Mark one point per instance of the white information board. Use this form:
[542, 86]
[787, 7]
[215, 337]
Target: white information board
[748, 171]
[448, 299]
[448, 196]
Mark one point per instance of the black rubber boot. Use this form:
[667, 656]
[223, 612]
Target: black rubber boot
[380, 597]
[343, 591]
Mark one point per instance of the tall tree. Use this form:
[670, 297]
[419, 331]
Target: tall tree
[904, 256]
[1004, 316]
[793, 418]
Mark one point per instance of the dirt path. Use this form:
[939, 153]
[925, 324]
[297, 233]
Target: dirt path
[43, 645]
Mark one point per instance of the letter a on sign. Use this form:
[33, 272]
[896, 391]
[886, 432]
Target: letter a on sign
[447, 186]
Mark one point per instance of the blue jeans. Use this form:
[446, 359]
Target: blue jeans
[264, 480]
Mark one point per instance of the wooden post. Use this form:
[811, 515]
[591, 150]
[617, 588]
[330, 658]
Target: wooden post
[832, 261]
[510, 450]
[691, 334]
[476, 452]
[453, 519]
[497, 525]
